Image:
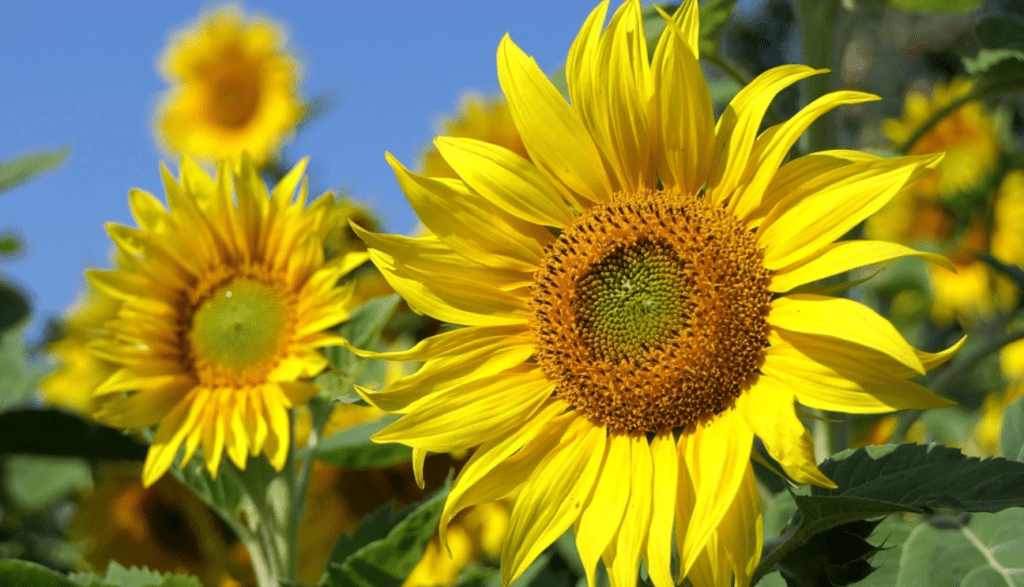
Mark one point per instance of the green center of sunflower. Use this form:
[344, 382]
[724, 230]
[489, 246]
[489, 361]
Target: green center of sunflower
[632, 299]
[240, 328]
[650, 312]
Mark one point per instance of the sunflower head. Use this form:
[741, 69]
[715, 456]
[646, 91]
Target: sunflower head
[223, 300]
[637, 303]
[234, 88]
[967, 136]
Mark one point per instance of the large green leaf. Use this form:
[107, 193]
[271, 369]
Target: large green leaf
[55, 433]
[19, 378]
[387, 546]
[24, 168]
[119, 576]
[987, 551]
[34, 483]
[936, 5]
[15, 573]
[1000, 31]
[874, 482]
[352, 447]
[1011, 442]
[13, 307]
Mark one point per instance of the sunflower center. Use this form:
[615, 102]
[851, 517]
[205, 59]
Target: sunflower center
[650, 312]
[239, 330]
[234, 93]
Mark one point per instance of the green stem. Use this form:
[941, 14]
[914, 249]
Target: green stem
[817, 20]
[934, 119]
[320, 412]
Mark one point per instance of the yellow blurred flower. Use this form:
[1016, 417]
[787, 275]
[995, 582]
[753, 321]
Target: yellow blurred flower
[990, 425]
[484, 119]
[967, 136]
[163, 527]
[234, 88]
[975, 290]
[80, 371]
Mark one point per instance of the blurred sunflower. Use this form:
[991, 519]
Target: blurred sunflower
[634, 299]
[224, 300]
[989, 429]
[488, 120]
[234, 89]
[164, 527]
[80, 371]
[935, 209]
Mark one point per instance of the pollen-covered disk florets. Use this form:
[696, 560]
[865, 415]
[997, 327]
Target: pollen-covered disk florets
[651, 311]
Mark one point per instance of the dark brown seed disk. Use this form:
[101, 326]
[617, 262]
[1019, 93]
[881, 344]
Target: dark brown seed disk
[650, 312]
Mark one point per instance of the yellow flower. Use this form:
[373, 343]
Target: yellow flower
[164, 527]
[989, 428]
[976, 290]
[967, 136]
[224, 300]
[631, 305]
[478, 118]
[80, 371]
[234, 89]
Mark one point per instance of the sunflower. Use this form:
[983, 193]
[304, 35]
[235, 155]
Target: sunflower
[79, 371]
[637, 306]
[478, 118]
[234, 89]
[224, 300]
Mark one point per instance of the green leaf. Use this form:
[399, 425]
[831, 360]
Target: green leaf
[936, 5]
[13, 307]
[386, 547]
[1011, 441]
[1000, 31]
[119, 576]
[55, 433]
[10, 245]
[14, 573]
[874, 482]
[18, 378]
[36, 482]
[24, 168]
[986, 551]
[363, 331]
[352, 447]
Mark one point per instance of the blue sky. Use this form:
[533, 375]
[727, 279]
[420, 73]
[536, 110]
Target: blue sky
[84, 75]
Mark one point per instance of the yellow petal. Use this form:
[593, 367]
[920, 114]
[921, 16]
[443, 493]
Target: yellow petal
[507, 180]
[844, 256]
[449, 298]
[453, 342]
[552, 498]
[554, 136]
[827, 206]
[469, 414]
[685, 125]
[603, 512]
[506, 461]
[470, 224]
[437, 375]
[685, 497]
[658, 554]
[623, 554]
[717, 456]
[770, 413]
[739, 123]
[833, 375]
[170, 434]
[772, 147]
[844, 320]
